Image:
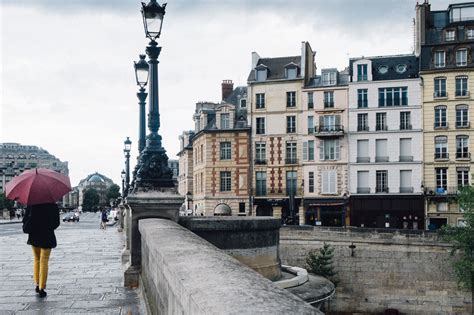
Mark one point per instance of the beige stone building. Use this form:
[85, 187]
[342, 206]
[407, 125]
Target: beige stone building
[185, 177]
[276, 105]
[447, 70]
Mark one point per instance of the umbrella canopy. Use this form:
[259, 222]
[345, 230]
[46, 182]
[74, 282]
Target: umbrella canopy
[37, 186]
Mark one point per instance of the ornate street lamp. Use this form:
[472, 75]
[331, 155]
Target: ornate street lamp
[123, 182]
[141, 74]
[152, 169]
[127, 146]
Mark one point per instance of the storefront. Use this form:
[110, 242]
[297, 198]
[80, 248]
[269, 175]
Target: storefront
[325, 211]
[283, 208]
[396, 212]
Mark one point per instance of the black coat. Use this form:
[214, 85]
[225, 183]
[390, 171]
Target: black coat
[44, 220]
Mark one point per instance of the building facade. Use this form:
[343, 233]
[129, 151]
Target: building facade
[385, 134]
[444, 43]
[185, 163]
[96, 181]
[325, 149]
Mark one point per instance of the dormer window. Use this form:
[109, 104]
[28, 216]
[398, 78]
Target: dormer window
[470, 33]
[461, 57]
[261, 72]
[362, 72]
[439, 59]
[291, 71]
[329, 78]
[450, 35]
[243, 103]
[461, 12]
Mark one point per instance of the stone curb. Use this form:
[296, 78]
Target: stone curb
[10, 222]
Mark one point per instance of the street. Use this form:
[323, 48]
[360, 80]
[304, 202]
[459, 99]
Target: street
[85, 272]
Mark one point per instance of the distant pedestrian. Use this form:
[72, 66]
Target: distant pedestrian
[103, 219]
[18, 213]
[39, 222]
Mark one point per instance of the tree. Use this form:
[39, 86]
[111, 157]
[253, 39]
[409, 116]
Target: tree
[462, 238]
[91, 199]
[5, 203]
[320, 262]
[113, 192]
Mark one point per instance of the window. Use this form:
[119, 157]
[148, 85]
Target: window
[363, 182]
[397, 96]
[308, 150]
[291, 152]
[380, 121]
[261, 183]
[310, 124]
[260, 125]
[381, 181]
[440, 117]
[462, 147]
[461, 86]
[405, 150]
[330, 123]
[450, 35]
[261, 75]
[463, 176]
[381, 154]
[405, 120]
[329, 150]
[441, 179]
[241, 207]
[243, 103]
[291, 72]
[462, 13]
[383, 69]
[362, 122]
[291, 182]
[329, 78]
[328, 99]
[260, 100]
[362, 101]
[442, 206]
[226, 153]
[440, 87]
[225, 183]
[290, 124]
[401, 68]
[362, 72]
[470, 33]
[290, 99]
[260, 153]
[405, 182]
[462, 116]
[363, 151]
[225, 121]
[311, 182]
[461, 57]
[441, 147]
[440, 59]
[329, 182]
[310, 100]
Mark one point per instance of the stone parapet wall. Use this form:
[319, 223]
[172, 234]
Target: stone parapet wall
[406, 270]
[184, 274]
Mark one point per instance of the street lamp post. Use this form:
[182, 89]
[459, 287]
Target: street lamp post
[152, 169]
[127, 145]
[123, 183]
[141, 74]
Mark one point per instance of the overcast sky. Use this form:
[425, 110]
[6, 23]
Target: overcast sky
[67, 78]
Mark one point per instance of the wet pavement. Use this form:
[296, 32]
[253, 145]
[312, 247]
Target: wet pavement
[85, 272]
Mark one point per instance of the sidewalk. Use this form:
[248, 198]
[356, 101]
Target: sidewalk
[2, 221]
[85, 273]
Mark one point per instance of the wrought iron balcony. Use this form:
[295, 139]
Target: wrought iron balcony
[441, 191]
[461, 125]
[440, 94]
[362, 128]
[405, 127]
[381, 189]
[438, 125]
[329, 131]
[441, 156]
[405, 158]
[381, 159]
[291, 161]
[406, 190]
[363, 159]
[260, 162]
[462, 93]
[363, 190]
[381, 127]
[463, 155]
[328, 104]
[310, 131]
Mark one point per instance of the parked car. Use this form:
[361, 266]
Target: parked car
[71, 217]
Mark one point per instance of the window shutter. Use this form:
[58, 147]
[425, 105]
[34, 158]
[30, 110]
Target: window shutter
[305, 151]
[332, 182]
[337, 150]
[325, 181]
[338, 121]
[321, 150]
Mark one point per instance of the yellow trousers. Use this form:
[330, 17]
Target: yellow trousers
[40, 265]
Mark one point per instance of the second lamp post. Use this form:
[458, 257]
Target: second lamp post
[127, 145]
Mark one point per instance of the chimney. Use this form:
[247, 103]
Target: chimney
[227, 88]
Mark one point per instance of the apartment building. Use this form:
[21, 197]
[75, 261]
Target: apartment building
[276, 107]
[185, 165]
[325, 149]
[444, 43]
[385, 141]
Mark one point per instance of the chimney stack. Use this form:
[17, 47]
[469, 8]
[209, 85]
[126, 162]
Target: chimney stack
[227, 88]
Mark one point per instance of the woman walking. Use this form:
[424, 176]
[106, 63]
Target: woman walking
[39, 222]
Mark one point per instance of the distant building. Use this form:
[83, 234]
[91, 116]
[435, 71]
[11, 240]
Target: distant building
[174, 166]
[185, 177]
[96, 181]
[16, 158]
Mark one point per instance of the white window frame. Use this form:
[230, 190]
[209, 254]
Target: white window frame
[440, 59]
[329, 182]
[461, 57]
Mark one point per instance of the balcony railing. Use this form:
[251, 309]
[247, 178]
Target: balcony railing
[405, 127]
[463, 125]
[363, 159]
[328, 104]
[406, 190]
[362, 103]
[440, 191]
[331, 130]
[381, 127]
[462, 93]
[463, 155]
[405, 158]
[310, 131]
[362, 128]
[291, 161]
[381, 159]
[441, 156]
[363, 190]
[260, 162]
[381, 189]
[440, 94]
[438, 125]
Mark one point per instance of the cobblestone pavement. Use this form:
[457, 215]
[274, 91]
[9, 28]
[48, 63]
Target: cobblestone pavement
[85, 272]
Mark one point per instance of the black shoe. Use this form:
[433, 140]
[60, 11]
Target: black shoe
[37, 289]
[42, 293]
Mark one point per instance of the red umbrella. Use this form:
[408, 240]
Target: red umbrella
[38, 186]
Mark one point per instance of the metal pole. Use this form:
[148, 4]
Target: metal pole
[142, 129]
[127, 173]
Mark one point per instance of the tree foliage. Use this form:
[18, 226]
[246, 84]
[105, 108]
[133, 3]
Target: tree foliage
[113, 192]
[5, 203]
[320, 262]
[91, 200]
[462, 239]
